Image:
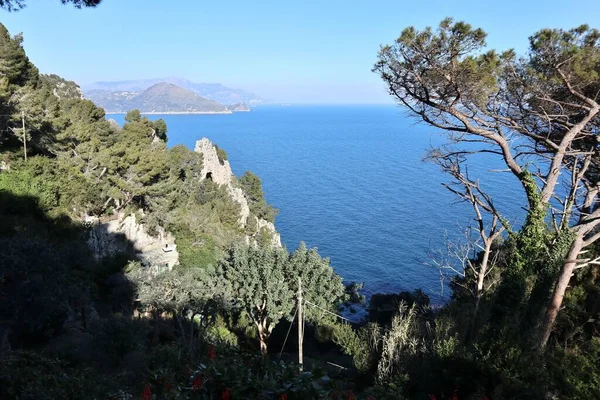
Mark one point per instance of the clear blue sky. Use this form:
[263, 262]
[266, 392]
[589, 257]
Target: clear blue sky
[290, 51]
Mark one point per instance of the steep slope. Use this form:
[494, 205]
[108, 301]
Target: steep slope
[112, 101]
[219, 171]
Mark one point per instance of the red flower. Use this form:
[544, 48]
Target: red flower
[197, 382]
[147, 393]
[455, 395]
[283, 396]
[226, 394]
[211, 353]
[351, 396]
[432, 397]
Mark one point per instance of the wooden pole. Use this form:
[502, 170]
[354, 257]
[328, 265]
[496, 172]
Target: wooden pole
[24, 135]
[300, 326]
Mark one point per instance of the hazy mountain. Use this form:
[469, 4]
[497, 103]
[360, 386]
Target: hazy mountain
[159, 98]
[112, 101]
[211, 91]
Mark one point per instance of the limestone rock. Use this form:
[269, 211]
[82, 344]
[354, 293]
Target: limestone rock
[122, 234]
[220, 173]
[262, 223]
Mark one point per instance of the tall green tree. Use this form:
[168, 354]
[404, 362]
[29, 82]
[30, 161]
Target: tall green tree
[260, 286]
[264, 282]
[540, 114]
[322, 288]
[18, 80]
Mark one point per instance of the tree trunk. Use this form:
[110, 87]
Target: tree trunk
[192, 332]
[480, 278]
[559, 291]
[180, 324]
[83, 319]
[24, 136]
[263, 336]
[156, 332]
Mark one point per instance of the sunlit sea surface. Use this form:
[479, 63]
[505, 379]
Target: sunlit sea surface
[351, 181]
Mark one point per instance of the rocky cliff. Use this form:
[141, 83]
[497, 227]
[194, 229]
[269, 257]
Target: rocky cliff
[125, 234]
[219, 170]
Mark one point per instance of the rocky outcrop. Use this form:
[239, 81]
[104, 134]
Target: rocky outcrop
[121, 234]
[239, 107]
[219, 171]
[125, 235]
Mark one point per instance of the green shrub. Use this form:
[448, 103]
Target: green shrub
[116, 337]
[252, 187]
[219, 335]
[575, 372]
[32, 376]
[361, 345]
[221, 154]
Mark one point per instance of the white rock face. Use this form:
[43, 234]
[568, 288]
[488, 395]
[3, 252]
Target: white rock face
[271, 227]
[122, 234]
[221, 174]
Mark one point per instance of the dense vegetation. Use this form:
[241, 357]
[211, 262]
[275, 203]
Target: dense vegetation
[75, 326]
[89, 326]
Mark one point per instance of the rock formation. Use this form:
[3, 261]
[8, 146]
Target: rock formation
[124, 234]
[121, 234]
[220, 172]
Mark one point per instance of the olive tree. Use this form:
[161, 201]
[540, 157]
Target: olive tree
[264, 283]
[259, 286]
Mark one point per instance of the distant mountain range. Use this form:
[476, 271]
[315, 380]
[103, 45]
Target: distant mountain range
[118, 96]
[159, 98]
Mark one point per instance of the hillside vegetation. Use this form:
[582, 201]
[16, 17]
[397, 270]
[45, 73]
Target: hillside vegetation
[523, 320]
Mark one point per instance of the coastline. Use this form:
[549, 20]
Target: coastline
[174, 112]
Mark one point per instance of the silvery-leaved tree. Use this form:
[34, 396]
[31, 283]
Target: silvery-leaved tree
[322, 289]
[182, 292]
[264, 284]
[539, 113]
[259, 286]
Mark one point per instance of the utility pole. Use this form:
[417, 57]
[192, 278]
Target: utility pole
[300, 326]
[24, 135]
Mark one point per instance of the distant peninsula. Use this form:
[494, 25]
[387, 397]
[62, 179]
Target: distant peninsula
[239, 107]
[161, 98]
[170, 96]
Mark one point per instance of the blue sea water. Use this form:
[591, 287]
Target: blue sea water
[351, 181]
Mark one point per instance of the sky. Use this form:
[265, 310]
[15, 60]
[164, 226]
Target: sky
[286, 51]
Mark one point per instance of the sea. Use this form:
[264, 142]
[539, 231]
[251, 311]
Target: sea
[351, 181]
